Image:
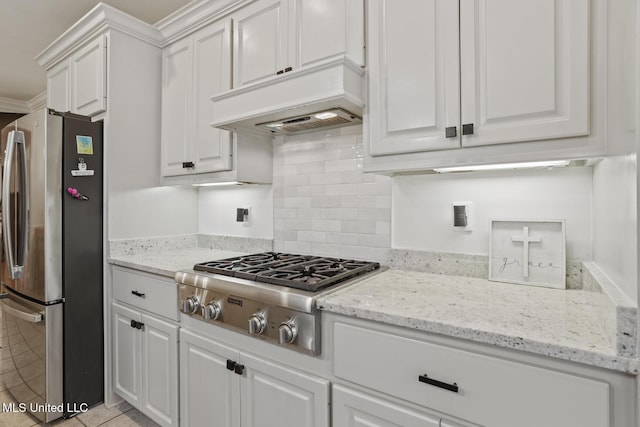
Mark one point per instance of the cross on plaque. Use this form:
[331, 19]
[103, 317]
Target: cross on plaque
[525, 239]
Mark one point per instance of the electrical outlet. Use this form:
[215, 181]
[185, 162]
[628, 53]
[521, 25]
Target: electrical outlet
[242, 214]
[462, 216]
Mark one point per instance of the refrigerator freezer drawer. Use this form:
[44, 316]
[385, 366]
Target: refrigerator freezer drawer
[34, 335]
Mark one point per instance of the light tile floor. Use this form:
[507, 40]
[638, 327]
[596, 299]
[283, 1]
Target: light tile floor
[122, 415]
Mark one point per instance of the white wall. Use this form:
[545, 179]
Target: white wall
[615, 221]
[217, 211]
[422, 216]
[137, 207]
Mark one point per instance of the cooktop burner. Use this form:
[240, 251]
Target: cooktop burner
[310, 273]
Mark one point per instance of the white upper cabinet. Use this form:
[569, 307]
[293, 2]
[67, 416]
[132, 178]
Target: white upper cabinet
[524, 69]
[449, 74]
[413, 75]
[59, 87]
[88, 79]
[78, 84]
[260, 41]
[273, 37]
[193, 69]
[328, 28]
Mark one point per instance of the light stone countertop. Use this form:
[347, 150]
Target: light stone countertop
[559, 323]
[167, 262]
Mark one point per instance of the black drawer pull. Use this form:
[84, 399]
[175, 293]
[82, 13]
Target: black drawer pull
[187, 165]
[286, 70]
[138, 294]
[451, 387]
[279, 72]
[467, 129]
[238, 369]
[231, 365]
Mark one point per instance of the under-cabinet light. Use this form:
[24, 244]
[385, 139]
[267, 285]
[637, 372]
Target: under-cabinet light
[525, 165]
[325, 115]
[217, 184]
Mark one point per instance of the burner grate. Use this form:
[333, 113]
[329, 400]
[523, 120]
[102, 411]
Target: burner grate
[295, 271]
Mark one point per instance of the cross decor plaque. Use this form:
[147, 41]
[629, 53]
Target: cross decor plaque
[528, 252]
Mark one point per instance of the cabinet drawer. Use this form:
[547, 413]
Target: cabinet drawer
[490, 391]
[147, 292]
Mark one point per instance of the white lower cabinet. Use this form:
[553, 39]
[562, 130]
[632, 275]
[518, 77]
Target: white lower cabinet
[144, 343]
[225, 387]
[477, 388]
[355, 409]
[145, 363]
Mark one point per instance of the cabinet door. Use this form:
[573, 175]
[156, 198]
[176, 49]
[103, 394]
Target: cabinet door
[160, 370]
[58, 90]
[177, 78]
[212, 64]
[277, 396]
[325, 29]
[88, 79]
[126, 354]
[525, 69]
[209, 392]
[261, 39]
[414, 74]
[355, 409]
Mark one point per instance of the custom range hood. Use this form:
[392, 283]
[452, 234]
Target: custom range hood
[321, 97]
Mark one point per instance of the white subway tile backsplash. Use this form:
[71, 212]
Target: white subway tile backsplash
[324, 204]
[360, 226]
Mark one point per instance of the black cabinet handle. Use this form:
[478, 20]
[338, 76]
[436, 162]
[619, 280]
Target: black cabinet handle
[231, 365]
[279, 72]
[451, 132]
[467, 129]
[286, 70]
[137, 325]
[451, 387]
[186, 165]
[138, 294]
[238, 369]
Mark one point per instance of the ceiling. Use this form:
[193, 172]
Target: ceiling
[29, 26]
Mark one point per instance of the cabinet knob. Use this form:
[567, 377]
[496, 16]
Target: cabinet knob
[467, 129]
[137, 325]
[231, 365]
[451, 132]
[186, 165]
[238, 369]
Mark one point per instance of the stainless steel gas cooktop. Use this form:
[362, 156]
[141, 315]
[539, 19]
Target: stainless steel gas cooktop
[270, 295]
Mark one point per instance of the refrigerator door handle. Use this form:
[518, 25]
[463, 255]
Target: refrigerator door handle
[22, 315]
[16, 139]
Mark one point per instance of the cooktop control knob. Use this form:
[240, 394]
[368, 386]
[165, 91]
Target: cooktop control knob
[191, 305]
[212, 311]
[257, 323]
[287, 332]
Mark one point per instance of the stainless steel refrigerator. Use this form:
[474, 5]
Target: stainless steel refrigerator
[51, 271]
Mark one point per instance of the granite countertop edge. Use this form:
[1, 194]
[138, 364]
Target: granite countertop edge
[609, 361]
[340, 303]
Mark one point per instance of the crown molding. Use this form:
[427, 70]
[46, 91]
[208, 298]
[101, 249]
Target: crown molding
[97, 20]
[8, 105]
[194, 16]
[37, 102]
